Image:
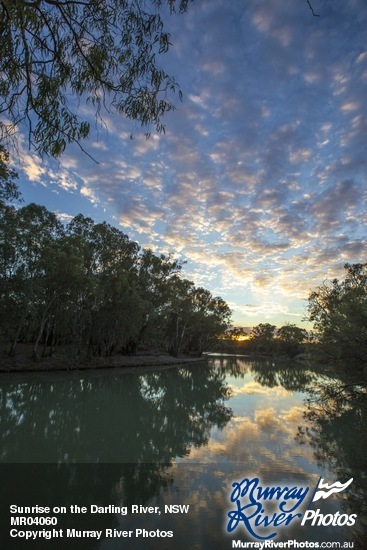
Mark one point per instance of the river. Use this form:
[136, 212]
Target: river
[179, 436]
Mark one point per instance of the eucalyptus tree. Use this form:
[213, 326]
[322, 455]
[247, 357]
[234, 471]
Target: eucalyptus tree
[290, 338]
[262, 337]
[8, 188]
[156, 280]
[194, 317]
[9, 265]
[27, 234]
[338, 310]
[210, 318]
[91, 290]
[104, 53]
[179, 314]
[117, 312]
[106, 298]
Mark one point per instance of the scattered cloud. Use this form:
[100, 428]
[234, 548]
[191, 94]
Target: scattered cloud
[260, 180]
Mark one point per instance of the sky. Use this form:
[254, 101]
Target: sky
[259, 183]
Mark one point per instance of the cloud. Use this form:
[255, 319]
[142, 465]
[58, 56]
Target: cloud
[255, 441]
[260, 180]
[32, 166]
[89, 193]
[255, 388]
[64, 217]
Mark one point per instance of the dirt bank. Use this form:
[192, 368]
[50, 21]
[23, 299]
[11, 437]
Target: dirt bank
[23, 362]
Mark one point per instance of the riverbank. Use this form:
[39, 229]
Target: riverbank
[23, 362]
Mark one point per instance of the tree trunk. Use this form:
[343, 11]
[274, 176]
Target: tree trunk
[180, 333]
[40, 332]
[16, 337]
[46, 340]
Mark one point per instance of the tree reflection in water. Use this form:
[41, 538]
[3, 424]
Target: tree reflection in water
[270, 373]
[335, 423]
[336, 428]
[152, 417]
[82, 485]
[127, 429]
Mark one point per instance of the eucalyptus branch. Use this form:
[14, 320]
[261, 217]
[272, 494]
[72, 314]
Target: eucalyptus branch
[312, 10]
[106, 50]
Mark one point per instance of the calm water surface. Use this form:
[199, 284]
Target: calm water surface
[176, 436]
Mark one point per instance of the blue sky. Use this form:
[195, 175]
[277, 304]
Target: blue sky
[260, 180]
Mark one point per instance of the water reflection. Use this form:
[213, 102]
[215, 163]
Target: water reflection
[270, 373]
[336, 429]
[152, 417]
[267, 410]
[82, 485]
[179, 436]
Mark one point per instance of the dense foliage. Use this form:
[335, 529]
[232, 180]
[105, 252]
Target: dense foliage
[104, 53]
[8, 188]
[88, 288]
[266, 339]
[339, 312]
[287, 340]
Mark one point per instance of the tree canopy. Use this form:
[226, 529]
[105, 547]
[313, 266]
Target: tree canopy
[87, 288]
[339, 312]
[57, 53]
[287, 340]
[8, 188]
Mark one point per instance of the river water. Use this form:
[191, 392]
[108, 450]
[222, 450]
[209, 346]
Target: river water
[180, 436]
